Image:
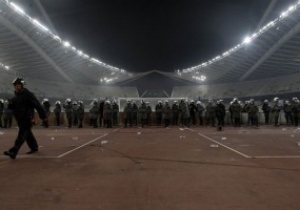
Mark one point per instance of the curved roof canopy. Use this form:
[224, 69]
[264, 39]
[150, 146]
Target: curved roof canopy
[30, 49]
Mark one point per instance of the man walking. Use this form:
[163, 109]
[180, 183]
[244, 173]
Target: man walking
[23, 105]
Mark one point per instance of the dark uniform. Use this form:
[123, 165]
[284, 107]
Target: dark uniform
[276, 109]
[107, 114]
[7, 115]
[167, 111]
[1, 111]
[128, 114]
[184, 113]
[135, 110]
[115, 113]
[46, 105]
[175, 112]
[143, 113]
[266, 109]
[210, 113]
[68, 106]
[295, 110]
[23, 104]
[75, 113]
[253, 113]
[236, 112]
[94, 114]
[158, 113]
[80, 113]
[101, 107]
[193, 111]
[287, 108]
[149, 112]
[200, 109]
[220, 114]
[57, 112]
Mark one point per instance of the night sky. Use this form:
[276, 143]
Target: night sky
[165, 35]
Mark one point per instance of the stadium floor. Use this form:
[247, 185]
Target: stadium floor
[154, 168]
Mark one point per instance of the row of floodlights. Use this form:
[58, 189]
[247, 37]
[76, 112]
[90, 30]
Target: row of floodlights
[107, 80]
[66, 44]
[246, 41]
[201, 78]
[4, 66]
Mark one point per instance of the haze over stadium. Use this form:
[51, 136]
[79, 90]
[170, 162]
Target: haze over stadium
[168, 43]
[150, 104]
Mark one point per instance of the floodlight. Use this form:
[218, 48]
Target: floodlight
[67, 44]
[247, 40]
[17, 8]
[40, 25]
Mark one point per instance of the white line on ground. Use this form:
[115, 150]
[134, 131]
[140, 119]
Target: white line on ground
[271, 157]
[229, 148]
[77, 148]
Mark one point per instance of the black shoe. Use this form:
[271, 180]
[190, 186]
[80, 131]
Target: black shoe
[10, 154]
[32, 151]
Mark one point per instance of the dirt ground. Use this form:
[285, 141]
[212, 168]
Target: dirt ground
[153, 168]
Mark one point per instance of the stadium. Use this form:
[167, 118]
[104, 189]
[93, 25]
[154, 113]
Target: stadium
[149, 164]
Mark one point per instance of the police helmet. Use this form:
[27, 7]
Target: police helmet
[18, 80]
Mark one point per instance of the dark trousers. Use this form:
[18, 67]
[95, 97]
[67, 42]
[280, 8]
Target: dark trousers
[57, 118]
[25, 134]
[267, 114]
[221, 121]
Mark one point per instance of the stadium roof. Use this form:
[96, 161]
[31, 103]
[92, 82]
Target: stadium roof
[30, 49]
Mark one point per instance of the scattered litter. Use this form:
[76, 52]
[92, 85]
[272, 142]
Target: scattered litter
[104, 142]
[1, 133]
[75, 138]
[182, 129]
[299, 144]
[182, 137]
[297, 130]
[283, 129]
[56, 130]
[223, 138]
[243, 131]
[40, 146]
[245, 145]
[214, 145]
[138, 133]
[52, 138]
[292, 136]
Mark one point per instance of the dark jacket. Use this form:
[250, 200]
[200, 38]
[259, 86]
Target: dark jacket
[23, 105]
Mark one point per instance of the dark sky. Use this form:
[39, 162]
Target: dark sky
[165, 35]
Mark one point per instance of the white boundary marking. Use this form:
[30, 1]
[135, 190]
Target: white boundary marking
[229, 148]
[274, 157]
[77, 148]
[247, 156]
[55, 157]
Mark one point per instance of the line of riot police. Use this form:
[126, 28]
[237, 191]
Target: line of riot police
[183, 113]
